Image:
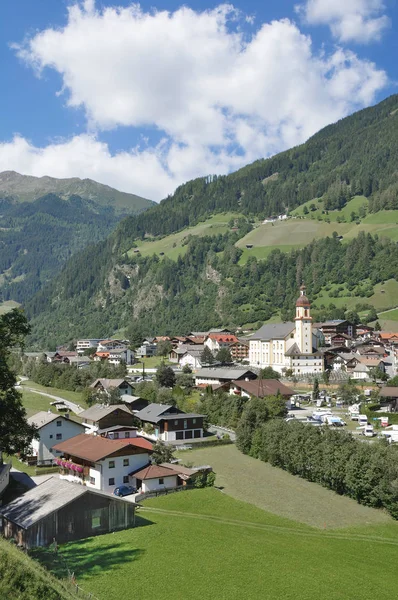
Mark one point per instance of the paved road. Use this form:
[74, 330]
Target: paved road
[71, 405]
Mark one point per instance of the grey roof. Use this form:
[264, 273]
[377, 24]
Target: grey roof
[98, 411]
[43, 418]
[41, 501]
[109, 383]
[293, 350]
[222, 373]
[273, 331]
[180, 416]
[130, 399]
[117, 428]
[153, 412]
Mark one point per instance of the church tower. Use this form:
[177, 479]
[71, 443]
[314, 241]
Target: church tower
[303, 323]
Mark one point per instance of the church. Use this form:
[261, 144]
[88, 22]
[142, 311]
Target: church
[288, 345]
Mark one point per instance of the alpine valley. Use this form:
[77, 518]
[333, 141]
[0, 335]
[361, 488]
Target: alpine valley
[223, 250]
[44, 221]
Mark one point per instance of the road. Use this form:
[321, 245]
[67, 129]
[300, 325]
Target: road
[71, 405]
[220, 431]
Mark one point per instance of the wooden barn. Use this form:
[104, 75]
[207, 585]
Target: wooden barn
[63, 511]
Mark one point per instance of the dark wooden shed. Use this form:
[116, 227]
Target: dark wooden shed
[63, 511]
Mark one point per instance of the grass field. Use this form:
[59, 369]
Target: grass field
[385, 296]
[345, 213]
[202, 544]
[150, 363]
[35, 402]
[173, 245]
[276, 491]
[76, 397]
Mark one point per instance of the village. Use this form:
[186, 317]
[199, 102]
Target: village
[109, 457]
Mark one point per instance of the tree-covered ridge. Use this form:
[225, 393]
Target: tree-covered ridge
[204, 288]
[357, 155]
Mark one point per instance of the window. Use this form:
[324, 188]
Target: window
[125, 479]
[92, 480]
[115, 436]
[126, 434]
[111, 481]
[59, 436]
[51, 436]
[175, 422]
[126, 462]
[161, 481]
[194, 421]
[185, 424]
[95, 519]
[59, 423]
[111, 464]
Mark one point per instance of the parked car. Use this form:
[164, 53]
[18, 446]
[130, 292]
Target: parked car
[124, 490]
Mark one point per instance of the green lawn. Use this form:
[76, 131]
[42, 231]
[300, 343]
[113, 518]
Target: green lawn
[277, 491]
[203, 545]
[174, 245]
[150, 363]
[391, 315]
[351, 206]
[76, 397]
[35, 402]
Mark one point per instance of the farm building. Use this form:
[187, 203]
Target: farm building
[62, 511]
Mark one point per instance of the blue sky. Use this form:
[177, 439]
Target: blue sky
[145, 99]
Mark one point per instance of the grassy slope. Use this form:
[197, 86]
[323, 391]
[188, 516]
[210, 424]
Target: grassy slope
[380, 299]
[172, 245]
[76, 397]
[185, 552]
[8, 305]
[274, 490]
[23, 579]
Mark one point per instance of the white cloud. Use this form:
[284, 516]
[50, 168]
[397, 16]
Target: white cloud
[360, 21]
[219, 98]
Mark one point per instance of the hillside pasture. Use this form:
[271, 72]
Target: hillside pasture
[173, 245]
[279, 492]
[202, 545]
[345, 213]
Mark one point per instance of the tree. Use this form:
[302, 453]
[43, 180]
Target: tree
[114, 396]
[15, 432]
[269, 373]
[224, 356]
[206, 357]
[165, 376]
[377, 326]
[162, 453]
[276, 406]
[163, 348]
[186, 369]
[315, 389]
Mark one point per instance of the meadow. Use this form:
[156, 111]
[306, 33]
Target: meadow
[202, 544]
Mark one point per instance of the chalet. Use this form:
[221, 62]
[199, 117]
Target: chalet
[170, 423]
[133, 403]
[331, 328]
[101, 416]
[216, 341]
[52, 428]
[102, 463]
[364, 332]
[164, 476]
[240, 350]
[389, 398]
[82, 345]
[106, 385]
[341, 339]
[364, 367]
[62, 356]
[61, 511]
[101, 356]
[260, 388]
[106, 345]
[371, 351]
[118, 432]
[218, 375]
[187, 354]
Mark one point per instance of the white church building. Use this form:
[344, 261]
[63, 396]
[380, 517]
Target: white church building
[289, 345]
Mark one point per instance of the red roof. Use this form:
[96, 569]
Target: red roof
[264, 387]
[223, 337]
[154, 472]
[94, 448]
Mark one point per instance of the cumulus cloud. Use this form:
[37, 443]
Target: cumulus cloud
[360, 21]
[219, 97]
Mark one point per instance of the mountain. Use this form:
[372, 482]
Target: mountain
[25, 188]
[184, 264]
[44, 221]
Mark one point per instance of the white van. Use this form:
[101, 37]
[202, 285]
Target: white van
[362, 419]
[368, 431]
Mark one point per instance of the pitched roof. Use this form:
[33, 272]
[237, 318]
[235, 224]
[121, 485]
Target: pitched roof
[264, 387]
[273, 331]
[154, 412]
[389, 392]
[43, 418]
[41, 501]
[98, 411]
[108, 383]
[223, 337]
[293, 350]
[222, 373]
[94, 447]
[154, 472]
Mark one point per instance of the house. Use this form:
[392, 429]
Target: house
[165, 476]
[239, 350]
[216, 341]
[341, 339]
[121, 356]
[364, 332]
[216, 376]
[283, 346]
[192, 357]
[101, 356]
[100, 462]
[118, 432]
[170, 423]
[62, 356]
[335, 326]
[82, 345]
[61, 511]
[389, 397]
[52, 428]
[260, 388]
[101, 416]
[146, 350]
[134, 403]
[106, 345]
[106, 385]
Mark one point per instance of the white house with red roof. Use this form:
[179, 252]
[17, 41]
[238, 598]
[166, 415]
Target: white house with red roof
[102, 463]
[216, 341]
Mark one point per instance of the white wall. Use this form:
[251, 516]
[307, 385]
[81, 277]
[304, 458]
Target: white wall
[151, 485]
[42, 448]
[136, 461]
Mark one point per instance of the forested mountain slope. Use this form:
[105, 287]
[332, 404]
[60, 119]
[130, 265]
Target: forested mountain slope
[109, 286]
[44, 221]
